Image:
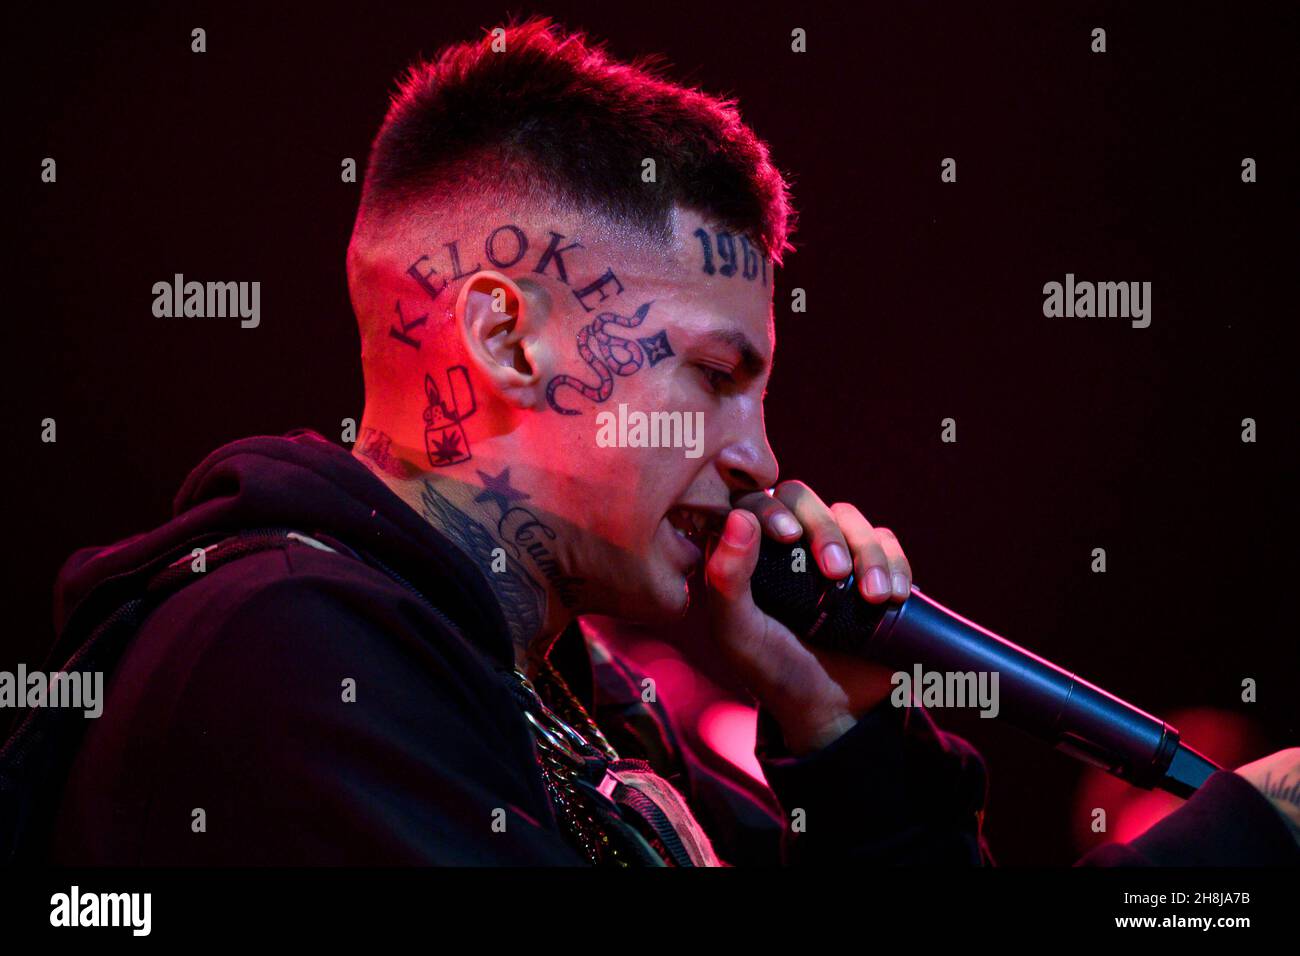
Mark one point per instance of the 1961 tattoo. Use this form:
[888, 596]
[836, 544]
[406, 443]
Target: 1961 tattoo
[752, 263]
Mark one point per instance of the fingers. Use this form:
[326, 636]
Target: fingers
[841, 539]
[775, 517]
[900, 569]
[827, 541]
[770, 662]
[871, 561]
[736, 620]
[734, 557]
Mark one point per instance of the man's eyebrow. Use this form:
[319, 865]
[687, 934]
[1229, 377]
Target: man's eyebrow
[752, 362]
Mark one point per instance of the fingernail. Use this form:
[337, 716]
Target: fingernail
[877, 581]
[737, 532]
[837, 559]
[785, 525]
[901, 587]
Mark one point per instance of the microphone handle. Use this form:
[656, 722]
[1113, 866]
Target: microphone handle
[1046, 701]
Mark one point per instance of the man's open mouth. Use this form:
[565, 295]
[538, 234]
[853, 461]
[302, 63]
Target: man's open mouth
[698, 525]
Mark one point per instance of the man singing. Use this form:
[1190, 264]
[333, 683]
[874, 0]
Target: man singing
[376, 657]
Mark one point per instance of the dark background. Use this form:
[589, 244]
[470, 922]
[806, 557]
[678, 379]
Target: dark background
[924, 301]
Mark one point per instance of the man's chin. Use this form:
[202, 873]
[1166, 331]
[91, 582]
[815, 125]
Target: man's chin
[661, 600]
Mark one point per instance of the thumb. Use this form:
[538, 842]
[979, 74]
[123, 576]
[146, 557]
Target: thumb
[768, 660]
[734, 558]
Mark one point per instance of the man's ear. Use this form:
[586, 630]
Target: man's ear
[501, 322]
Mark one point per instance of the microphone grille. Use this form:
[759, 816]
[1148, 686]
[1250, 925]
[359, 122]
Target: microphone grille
[788, 586]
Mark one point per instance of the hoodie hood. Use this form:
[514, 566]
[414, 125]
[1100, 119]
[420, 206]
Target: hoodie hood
[304, 482]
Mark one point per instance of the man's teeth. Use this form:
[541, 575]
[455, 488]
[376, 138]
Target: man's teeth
[688, 524]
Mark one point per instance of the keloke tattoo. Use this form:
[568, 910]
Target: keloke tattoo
[612, 355]
[444, 438]
[506, 246]
[606, 355]
[377, 446]
[752, 263]
[403, 334]
[523, 600]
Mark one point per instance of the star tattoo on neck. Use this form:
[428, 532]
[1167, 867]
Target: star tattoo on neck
[497, 488]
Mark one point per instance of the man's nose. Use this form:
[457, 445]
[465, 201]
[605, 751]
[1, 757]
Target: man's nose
[749, 465]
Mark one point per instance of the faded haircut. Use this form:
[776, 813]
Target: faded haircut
[554, 119]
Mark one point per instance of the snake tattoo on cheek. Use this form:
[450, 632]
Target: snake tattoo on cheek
[608, 355]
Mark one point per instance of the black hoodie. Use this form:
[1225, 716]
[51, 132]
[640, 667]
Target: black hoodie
[229, 701]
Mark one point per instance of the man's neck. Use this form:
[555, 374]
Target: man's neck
[479, 520]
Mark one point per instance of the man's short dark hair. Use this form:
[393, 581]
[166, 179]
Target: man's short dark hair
[554, 117]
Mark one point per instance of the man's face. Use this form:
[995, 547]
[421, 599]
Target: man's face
[680, 356]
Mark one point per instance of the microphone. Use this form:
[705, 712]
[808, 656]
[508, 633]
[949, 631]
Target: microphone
[1048, 702]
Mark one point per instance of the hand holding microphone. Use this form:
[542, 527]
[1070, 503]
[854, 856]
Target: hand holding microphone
[814, 693]
[817, 644]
